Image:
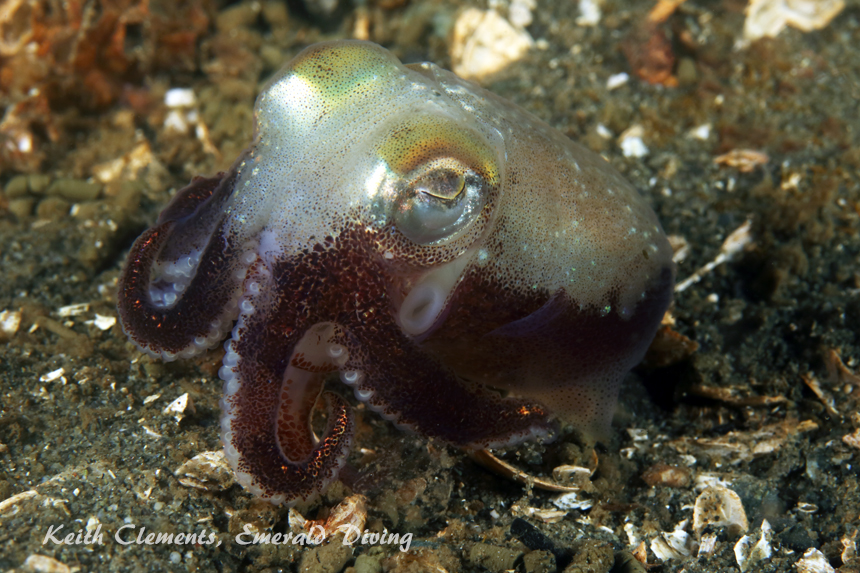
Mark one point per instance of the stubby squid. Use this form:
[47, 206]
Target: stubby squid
[468, 271]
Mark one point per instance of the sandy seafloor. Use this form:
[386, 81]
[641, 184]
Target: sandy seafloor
[90, 445]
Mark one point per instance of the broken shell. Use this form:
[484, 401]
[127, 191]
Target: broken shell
[675, 545]
[814, 561]
[349, 515]
[719, 506]
[849, 548]
[640, 553]
[741, 446]
[549, 515]
[707, 545]
[545, 515]
[748, 551]
[180, 408]
[852, 440]
[769, 17]
[664, 474]
[36, 563]
[10, 506]
[297, 521]
[680, 248]
[572, 500]
[485, 43]
[823, 395]
[744, 160]
[346, 517]
[570, 473]
[10, 321]
[208, 471]
[837, 371]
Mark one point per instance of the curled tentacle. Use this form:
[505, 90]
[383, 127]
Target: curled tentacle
[398, 379]
[273, 374]
[263, 468]
[178, 289]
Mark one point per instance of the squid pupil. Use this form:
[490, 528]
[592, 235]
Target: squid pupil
[442, 184]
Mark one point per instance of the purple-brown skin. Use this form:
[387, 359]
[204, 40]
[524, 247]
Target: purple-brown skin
[470, 272]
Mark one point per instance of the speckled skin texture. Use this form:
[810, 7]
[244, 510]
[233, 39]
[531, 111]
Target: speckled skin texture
[470, 272]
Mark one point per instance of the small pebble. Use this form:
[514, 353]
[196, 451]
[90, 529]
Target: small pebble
[367, 564]
[492, 557]
[592, 556]
[666, 475]
[22, 207]
[687, 75]
[38, 183]
[16, 187]
[237, 16]
[74, 189]
[539, 562]
[275, 14]
[52, 209]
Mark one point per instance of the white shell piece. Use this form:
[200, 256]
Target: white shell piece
[719, 506]
[814, 561]
[748, 551]
[208, 471]
[675, 545]
[571, 501]
[180, 407]
[707, 545]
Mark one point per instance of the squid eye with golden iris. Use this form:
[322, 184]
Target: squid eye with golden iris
[439, 203]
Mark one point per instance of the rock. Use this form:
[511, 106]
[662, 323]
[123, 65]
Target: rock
[276, 14]
[592, 556]
[22, 207]
[74, 189]
[321, 8]
[539, 562]
[38, 183]
[52, 209]
[492, 557]
[327, 558]
[16, 187]
[367, 564]
[242, 15]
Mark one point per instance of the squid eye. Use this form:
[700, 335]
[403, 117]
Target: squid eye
[439, 203]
